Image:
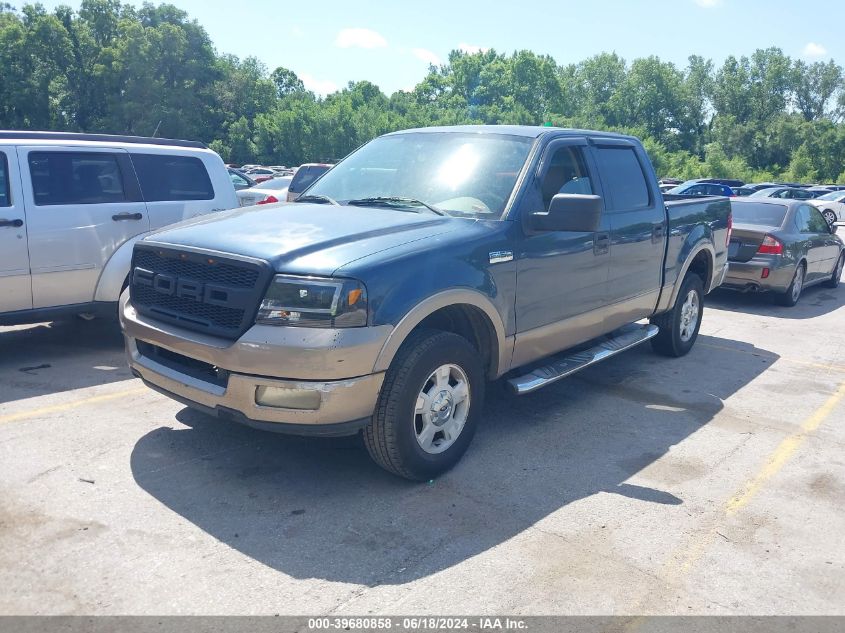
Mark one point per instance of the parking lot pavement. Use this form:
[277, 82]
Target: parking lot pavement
[708, 484]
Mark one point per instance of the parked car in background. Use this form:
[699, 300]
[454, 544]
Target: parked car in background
[666, 187]
[696, 188]
[240, 180]
[721, 181]
[305, 177]
[273, 190]
[784, 193]
[782, 246]
[73, 205]
[425, 264]
[757, 186]
[742, 191]
[831, 205]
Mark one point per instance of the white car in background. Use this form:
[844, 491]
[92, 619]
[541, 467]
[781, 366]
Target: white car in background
[832, 206]
[273, 190]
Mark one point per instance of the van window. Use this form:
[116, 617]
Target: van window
[622, 178]
[75, 178]
[5, 194]
[166, 177]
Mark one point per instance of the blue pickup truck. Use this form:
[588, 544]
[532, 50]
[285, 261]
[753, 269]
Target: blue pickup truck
[424, 265]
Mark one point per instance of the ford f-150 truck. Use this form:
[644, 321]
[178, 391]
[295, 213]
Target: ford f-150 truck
[425, 264]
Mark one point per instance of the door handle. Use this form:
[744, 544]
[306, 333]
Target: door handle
[657, 232]
[601, 243]
[15, 223]
[120, 217]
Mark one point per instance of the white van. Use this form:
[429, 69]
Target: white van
[73, 205]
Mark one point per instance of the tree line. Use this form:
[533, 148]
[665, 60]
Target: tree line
[153, 70]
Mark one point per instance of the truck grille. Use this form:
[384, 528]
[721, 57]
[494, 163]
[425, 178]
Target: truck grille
[197, 291]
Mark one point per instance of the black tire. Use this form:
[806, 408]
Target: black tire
[669, 341]
[789, 298]
[829, 216]
[391, 435]
[833, 282]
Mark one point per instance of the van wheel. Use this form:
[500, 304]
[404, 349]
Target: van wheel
[429, 406]
[793, 293]
[679, 327]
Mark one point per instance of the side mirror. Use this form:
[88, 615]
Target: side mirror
[569, 212]
[833, 228]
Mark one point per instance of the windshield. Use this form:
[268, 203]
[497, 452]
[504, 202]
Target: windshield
[468, 175]
[759, 213]
[273, 183]
[832, 196]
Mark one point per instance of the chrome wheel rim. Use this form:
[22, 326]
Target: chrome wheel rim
[830, 217]
[689, 315]
[441, 410]
[797, 283]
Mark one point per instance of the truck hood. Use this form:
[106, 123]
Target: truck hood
[300, 238]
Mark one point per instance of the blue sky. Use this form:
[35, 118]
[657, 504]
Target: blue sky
[329, 43]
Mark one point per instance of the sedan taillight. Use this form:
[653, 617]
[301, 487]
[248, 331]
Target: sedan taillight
[771, 246]
[268, 200]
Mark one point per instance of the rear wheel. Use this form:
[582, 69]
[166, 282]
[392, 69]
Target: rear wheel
[679, 327]
[829, 216]
[793, 293]
[429, 406]
[833, 282]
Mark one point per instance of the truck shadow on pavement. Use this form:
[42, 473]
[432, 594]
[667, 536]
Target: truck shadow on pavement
[319, 508]
[60, 356]
[815, 301]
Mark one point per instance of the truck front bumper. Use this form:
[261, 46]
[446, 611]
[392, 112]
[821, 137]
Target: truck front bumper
[220, 377]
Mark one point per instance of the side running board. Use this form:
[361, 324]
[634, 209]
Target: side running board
[562, 366]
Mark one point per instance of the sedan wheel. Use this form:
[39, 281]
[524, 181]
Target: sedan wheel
[793, 293]
[833, 282]
[829, 216]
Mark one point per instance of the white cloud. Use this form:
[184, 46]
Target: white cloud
[359, 38]
[472, 48]
[708, 4]
[425, 55]
[814, 50]
[318, 86]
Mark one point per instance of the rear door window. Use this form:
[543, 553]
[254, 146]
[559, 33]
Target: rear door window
[5, 193]
[622, 178]
[75, 178]
[166, 177]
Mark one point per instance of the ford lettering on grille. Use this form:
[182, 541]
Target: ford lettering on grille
[209, 294]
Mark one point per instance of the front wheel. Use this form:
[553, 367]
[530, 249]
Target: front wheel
[429, 406]
[679, 327]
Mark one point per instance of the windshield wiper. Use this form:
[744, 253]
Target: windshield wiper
[319, 199]
[395, 201]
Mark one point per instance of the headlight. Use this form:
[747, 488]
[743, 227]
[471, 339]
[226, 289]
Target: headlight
[313, 302]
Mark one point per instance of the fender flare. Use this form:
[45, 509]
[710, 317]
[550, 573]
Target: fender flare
[435, 302]
[711, 254]
[116, 270]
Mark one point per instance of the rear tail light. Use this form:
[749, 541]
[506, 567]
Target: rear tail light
[771, 246]
[268, 200]
[730, 228]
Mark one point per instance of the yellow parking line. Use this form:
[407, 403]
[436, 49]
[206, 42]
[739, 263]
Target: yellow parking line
[773, 357]
[58, 408]
[776, 461]
[783, 452]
